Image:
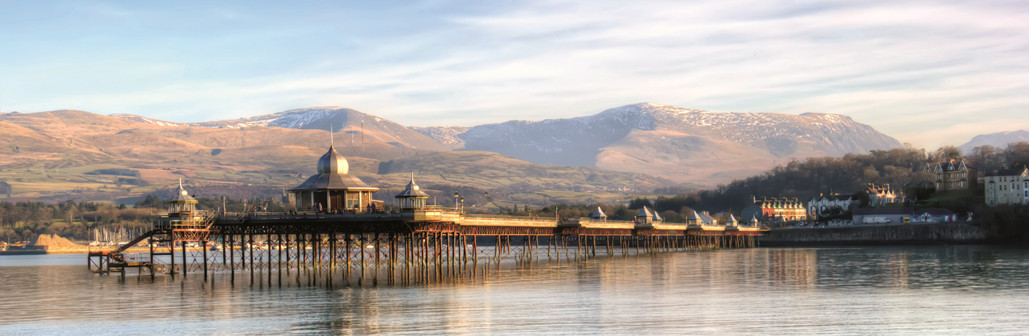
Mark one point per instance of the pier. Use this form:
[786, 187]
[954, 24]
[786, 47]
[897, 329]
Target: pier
[398, 248]
[338, 231]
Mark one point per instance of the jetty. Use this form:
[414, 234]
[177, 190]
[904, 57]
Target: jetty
[338, 230]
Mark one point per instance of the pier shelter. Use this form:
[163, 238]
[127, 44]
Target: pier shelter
[412, 197]
[333, 189]
[183, 205]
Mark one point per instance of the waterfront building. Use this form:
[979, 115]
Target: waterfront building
[334, 190]
[832, 205]
[701, 218]
[882, 216]
[598, 215]
[952, 175]
[783, 210]
[706, 218]
[934, 215]
[1007, 187]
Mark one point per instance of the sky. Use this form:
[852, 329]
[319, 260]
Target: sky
[929, 73]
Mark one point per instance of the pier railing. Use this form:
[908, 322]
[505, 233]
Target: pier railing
[407, 246]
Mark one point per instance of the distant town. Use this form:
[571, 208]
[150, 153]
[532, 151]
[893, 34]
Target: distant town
[884, 204]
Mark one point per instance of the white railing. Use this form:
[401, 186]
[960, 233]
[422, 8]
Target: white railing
[493, 220]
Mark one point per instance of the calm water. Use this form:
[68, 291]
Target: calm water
[957, 290]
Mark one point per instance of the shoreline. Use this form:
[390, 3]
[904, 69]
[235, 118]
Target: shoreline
[904, 234]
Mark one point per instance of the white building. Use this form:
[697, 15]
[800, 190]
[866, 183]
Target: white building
[1008, 187]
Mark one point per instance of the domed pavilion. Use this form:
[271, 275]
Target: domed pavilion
[183, 205]
[412, 198]
[333, 189]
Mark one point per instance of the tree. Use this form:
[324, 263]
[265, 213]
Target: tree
[640, 202]
[947, 153]
[150, 201]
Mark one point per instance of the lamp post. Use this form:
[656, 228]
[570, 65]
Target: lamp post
[462, 205]
[455, 200]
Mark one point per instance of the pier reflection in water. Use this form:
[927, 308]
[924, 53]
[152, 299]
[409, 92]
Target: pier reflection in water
[864, 290]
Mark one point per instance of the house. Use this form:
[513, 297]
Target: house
[1007, 187]
[706, 218]
[783, 210]
[952, 175]
[701, 218]
[882, 196]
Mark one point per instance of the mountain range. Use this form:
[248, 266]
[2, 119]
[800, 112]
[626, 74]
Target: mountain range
[687, 146]
[999, 140]
[621, 150]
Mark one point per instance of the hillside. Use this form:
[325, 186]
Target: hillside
[811, 177]
[490, 170]
[353, 127]
[672, 142]
[60, 155]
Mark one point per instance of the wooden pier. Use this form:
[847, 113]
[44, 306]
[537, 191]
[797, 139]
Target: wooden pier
[417, 246]
[341, 232]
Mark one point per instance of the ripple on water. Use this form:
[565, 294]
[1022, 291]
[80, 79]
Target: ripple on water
[870, 290]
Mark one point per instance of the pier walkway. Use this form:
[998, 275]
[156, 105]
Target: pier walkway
[417, 245]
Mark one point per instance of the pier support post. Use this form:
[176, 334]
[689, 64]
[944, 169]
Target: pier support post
[185, 266]
[251, 241]
[232, 259]
[203, 244]
[151, 244]
[279, 254]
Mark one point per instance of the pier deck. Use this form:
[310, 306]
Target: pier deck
[407, 246]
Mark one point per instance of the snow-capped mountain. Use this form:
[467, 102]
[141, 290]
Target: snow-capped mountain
[681, 144]
[999, 140]
[446, 135]
[678, 143]
[350, 122]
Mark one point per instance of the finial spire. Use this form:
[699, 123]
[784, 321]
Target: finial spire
[331, 141]
[180, 183]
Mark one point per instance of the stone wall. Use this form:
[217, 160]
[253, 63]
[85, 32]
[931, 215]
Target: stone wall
[888, 234]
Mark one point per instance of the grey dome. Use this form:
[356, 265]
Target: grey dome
[333, 163]
[412, 190]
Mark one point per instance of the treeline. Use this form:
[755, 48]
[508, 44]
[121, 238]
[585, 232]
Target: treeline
[901, 168]
[24, 221]
[812, 177]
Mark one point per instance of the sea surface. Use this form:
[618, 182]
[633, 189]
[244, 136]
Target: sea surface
[907, 290]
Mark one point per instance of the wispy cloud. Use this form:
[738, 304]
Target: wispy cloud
[926, 72]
